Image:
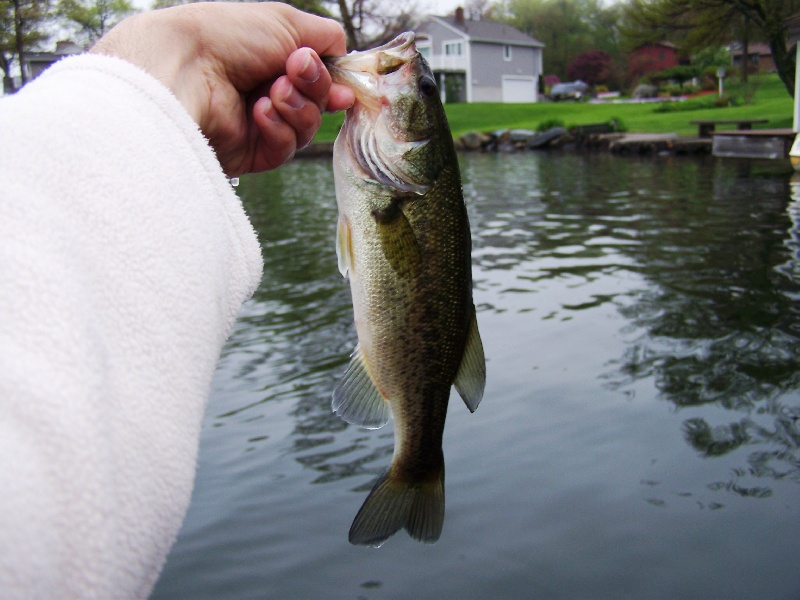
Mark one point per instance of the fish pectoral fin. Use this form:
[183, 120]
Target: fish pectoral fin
[356, 399]
[344, 246]
[393, 504]
[398, 241]
[471, 377]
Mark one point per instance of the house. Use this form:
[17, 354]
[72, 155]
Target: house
[35, 63]
[652, 58]
[480, 61]
[759, 57]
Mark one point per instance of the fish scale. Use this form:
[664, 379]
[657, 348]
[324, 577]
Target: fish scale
[403, 240]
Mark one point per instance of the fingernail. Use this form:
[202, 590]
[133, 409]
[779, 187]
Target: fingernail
[310, 70]
[294, 98]
[270, 112]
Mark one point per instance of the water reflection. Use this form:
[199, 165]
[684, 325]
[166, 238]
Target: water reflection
[701, 259]
[641, 327]
[720, 324]
[717, 320]
[297, 333]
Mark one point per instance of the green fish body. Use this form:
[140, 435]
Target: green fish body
[404, 243]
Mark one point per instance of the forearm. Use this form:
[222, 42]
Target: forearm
[124, 259]
[168, 50]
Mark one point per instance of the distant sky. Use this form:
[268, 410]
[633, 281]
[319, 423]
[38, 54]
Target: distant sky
[440, 7]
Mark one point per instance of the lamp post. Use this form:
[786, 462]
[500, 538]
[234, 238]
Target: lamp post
[721, 77]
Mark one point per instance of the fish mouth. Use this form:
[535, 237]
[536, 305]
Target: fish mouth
[361, 70]
[378, 145]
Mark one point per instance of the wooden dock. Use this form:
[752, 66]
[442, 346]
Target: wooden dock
[755, 143]
[707, 127]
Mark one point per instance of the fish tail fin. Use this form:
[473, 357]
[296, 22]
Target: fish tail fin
[395, 503]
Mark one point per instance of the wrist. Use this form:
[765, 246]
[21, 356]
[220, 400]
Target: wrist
[162, 48]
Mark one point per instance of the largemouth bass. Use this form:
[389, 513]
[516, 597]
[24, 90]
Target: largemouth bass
[403, 240]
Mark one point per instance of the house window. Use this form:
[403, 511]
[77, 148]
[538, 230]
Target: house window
[453, 49]
[424, 51]
[506, 52]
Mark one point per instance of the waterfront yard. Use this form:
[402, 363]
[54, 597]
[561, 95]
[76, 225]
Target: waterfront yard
[768, 100]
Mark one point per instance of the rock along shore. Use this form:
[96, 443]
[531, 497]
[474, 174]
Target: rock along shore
[599, 138]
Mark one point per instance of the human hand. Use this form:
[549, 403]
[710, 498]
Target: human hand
[249, 74]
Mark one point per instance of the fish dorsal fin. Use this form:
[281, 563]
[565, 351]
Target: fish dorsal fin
[356, 399]
[471, 377]
[344, 246]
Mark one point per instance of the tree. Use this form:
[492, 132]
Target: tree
[567, 28]
[681, 74]
[697, 24]
[94, 17]
[591, 67]
[477, 10]
[369, 23]
[22, 28]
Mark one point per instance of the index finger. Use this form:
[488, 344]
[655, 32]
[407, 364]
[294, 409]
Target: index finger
[323, 35]
[275, 31]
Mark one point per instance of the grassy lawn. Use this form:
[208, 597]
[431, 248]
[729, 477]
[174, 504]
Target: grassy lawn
[770, 101]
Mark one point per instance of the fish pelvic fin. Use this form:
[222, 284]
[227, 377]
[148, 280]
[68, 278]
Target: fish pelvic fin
[344, 246]
[471, 377]
[394, 504]
[356, 398]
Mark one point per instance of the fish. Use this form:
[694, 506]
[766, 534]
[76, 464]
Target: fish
[403, 241]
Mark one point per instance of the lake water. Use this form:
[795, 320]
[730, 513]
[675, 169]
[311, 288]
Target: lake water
[640, 432]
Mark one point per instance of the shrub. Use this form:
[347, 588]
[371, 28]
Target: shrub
[549, 124]
[618, 125]
[727, 100]
[672, 90]
[699, 103]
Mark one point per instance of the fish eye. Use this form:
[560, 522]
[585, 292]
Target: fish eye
[427, 86]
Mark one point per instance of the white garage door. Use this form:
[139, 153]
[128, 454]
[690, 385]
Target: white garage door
[519, 89]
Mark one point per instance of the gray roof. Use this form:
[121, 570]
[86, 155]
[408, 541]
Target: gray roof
[492, 32]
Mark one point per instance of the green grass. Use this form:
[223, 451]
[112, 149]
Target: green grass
[770, 101]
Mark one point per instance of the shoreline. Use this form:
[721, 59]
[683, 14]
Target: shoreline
[626, 144]
[604, 137]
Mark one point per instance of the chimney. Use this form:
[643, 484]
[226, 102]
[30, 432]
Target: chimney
[459, 15]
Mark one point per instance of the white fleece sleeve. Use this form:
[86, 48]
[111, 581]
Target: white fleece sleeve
[124, 259]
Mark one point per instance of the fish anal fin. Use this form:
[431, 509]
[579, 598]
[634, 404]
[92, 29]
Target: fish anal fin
[471, 377]
[356, 398]
[344, 246]
[394, 504]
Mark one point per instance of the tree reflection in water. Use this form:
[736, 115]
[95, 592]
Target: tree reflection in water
[298, 331]
[716, 323]
[721, 323]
